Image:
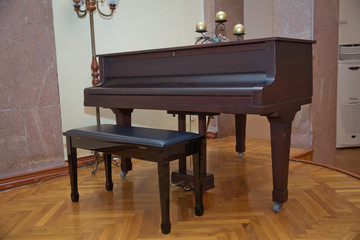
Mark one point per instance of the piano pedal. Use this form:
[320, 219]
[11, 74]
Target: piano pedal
[178, 184]
[188, 187]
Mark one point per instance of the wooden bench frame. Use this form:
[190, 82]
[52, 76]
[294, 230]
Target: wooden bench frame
[141, 146]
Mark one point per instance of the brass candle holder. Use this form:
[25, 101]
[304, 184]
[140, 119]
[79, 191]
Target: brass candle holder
[239, 31]
[82, 7]
[220, 19]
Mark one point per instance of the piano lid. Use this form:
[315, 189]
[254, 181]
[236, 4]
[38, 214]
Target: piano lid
[248, 41]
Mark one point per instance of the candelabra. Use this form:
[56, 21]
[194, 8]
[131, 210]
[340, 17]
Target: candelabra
[220, 19]
[82, 7]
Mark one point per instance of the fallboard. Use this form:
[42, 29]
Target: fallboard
[210, 67]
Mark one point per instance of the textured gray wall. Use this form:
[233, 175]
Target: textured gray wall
[30, 124]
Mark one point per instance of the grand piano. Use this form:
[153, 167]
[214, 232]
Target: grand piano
[271, 77]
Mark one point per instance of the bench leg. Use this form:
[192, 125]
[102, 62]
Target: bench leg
[107, 162]
[198, 176]
[72, 161]
[164, 186]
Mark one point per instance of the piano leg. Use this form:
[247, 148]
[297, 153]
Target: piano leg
[280, 128]
[123, 117]
[240, 129]
[202, 131]
[182, 128]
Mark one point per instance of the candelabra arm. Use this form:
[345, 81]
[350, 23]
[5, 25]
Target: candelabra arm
[79, 12]
[208, 38]
[204, 39]
[222, 28]
[199, 39]
[240, 37]
[112, 8]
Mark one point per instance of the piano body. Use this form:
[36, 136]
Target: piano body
[271, 77]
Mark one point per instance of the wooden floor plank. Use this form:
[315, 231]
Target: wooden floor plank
[323, 204]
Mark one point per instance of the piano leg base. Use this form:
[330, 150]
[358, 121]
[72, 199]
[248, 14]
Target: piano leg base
[277, 207]
[240, 154]
[74, 197]
[280, 196]
[123, 174]
[165, 228]
[187, 180]
[109, 186]
[199, 211]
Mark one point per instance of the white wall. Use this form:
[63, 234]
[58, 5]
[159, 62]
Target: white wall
[349, 27]
[258, 22]
[258, 18]
[136, 25]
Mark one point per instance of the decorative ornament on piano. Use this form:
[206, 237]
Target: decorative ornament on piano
[220, 19]
[82, 7]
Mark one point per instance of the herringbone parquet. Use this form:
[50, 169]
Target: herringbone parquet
[323, 204]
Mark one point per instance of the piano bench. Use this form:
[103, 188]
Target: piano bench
[156, 145]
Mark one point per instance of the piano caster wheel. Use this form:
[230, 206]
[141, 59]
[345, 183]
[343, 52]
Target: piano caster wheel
[277, 207]
[240, 154]
[123, 174]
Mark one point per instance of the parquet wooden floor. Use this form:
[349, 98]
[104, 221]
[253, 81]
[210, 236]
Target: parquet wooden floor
[323, 204]
[348, 159]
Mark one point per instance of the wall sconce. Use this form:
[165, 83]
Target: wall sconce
[220, 19]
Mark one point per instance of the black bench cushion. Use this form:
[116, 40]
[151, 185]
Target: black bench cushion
[133, 135]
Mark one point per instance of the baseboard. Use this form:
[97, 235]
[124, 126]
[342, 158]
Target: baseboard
[211, 135]
[38, 176]
[306, 157]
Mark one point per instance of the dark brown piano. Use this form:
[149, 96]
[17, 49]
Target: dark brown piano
[270, 77]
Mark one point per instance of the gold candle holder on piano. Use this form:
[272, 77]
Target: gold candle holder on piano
[220, 19]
